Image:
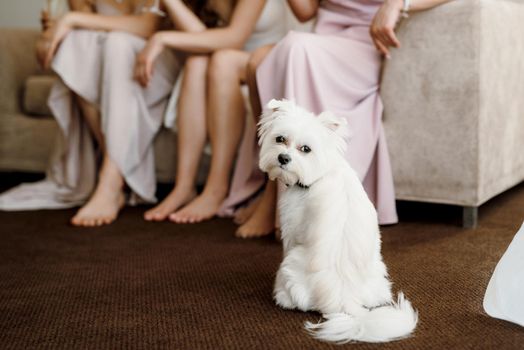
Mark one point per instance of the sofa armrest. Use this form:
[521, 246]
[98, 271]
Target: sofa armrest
[454, 106]
[17, 63]
[501, 112]
[431, 101]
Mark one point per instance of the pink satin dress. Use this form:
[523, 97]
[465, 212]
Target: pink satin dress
[336, 68]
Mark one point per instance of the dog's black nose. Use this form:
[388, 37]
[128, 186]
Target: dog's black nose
[284, 158]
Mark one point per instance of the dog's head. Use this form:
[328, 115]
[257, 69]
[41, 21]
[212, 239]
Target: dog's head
[297, 146]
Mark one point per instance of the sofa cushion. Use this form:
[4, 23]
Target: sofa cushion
[36, 92]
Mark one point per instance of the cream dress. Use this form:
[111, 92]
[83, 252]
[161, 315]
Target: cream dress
[98, 66]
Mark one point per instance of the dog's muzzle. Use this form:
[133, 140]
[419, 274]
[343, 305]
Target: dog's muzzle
[283, 159]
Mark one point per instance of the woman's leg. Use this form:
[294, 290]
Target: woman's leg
[191, 122]
[107, 200]
[226, 118]
[108, 197]
[259, 217]
[91, 116]
[263, 220]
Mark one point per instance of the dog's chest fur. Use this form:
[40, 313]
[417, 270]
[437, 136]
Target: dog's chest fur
[304, 211]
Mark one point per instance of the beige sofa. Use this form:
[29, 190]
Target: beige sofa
[453, 95]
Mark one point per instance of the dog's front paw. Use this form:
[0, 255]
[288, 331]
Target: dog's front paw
[283, 300]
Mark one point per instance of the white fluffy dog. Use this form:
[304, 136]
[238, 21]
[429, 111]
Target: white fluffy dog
[332, 262]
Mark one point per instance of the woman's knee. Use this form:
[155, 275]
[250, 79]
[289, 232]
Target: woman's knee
[297, 41]
[197, 63]
[224, 65]
[118, 42]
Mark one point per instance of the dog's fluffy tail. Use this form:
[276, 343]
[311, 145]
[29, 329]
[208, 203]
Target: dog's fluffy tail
[382, 324]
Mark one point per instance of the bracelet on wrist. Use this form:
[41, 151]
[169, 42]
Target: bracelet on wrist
[405, 8]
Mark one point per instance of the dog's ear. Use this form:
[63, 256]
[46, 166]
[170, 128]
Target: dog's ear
[269, 115]
[336, 124]
[281, 105]
[275, 104]
[274, 109]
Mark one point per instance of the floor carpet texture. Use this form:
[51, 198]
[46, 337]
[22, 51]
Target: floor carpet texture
[141, 285]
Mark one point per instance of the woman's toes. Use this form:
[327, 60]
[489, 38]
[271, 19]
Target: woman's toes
[159, 216]
[76, 221]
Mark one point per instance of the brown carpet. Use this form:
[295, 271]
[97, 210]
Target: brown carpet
[158, 285]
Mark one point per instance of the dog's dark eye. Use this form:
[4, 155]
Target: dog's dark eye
[280, 139]
[305, 149]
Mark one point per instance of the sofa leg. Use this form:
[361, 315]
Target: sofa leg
[470, 217]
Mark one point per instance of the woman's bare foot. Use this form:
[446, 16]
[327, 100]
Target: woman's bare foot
[243, 214]
[261, 223]
[202, 208]
[177, 198]
[102, 208]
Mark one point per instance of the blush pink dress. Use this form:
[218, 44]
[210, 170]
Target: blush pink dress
[337, 69]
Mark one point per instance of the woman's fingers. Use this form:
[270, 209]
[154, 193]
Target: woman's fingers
[379, 40]
[390, 33]
[144, 80]
[383, 28]
[50, 53]
[149, 70]
[384, 38]
[140, 73]
[383, 48]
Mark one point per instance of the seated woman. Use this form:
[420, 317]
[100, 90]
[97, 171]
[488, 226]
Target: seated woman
[336, 68]
[93, 50]
[211, 102]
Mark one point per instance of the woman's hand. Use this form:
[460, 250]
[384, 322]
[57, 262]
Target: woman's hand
[58, 32]
[41, 48]
[45, 20]
[145, 60]
[383, 26]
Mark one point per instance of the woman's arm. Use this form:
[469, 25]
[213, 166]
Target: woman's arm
[240, 28]
[142, 25]
[382, 28]
[304, 10]
[420, 5]
[243, 21]
[183, 18]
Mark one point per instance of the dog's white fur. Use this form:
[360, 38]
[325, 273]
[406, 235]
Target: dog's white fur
[332, 261]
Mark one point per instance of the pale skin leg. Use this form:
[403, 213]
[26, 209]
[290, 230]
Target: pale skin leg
[243, 214]
[225, 117]
[191, 122]
[261, 220]
[91, 116]
[108, 198]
